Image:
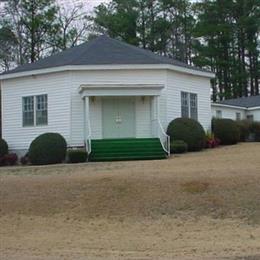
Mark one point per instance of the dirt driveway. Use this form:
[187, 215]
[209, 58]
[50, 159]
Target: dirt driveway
[196, 206]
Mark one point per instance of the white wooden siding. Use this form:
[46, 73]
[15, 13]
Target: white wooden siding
[177, 82]
[56, 87]
[143, 117]
[255, 113]
[228, 112]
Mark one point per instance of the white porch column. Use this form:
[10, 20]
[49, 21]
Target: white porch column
[87, 127]
[155, 115]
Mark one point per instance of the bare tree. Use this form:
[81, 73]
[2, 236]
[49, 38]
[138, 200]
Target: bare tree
[73, 28]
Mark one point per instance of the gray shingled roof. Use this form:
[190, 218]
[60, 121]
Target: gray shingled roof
[101, 51]
[246, 102]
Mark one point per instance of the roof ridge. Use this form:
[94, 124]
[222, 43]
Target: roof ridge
[145, 51]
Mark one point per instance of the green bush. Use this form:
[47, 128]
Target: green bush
[178, 146]
[226, 130]
[49, 148]
[3, 147]
[189, 131]
[255, 130]
[77, 156]
[244, 129]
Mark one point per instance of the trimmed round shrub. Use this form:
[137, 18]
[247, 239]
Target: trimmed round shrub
[189, 131]
[49, 148]
[77, 156]
[178, 147]
[244, 129]
[226, 130]
[3, 147]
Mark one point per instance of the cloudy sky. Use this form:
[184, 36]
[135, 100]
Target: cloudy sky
[89, 3]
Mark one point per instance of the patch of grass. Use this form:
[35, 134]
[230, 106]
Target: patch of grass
[195, 187]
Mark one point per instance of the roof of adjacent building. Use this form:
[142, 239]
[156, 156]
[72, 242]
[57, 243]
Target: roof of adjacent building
[102, 51]
[245, 102]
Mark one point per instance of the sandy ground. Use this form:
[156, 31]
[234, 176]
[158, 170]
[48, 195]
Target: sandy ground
[196, 206]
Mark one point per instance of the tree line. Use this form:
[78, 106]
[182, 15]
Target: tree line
[218, 35]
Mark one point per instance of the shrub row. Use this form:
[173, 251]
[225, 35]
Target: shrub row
[49, 148]
[226, 130]
[187, 134]
[249, 130]
[5, 157]
[77, 156]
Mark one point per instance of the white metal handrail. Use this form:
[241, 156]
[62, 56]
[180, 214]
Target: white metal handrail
[162, 135]
[88, 141]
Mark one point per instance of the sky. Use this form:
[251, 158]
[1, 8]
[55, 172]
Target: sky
[89, 3]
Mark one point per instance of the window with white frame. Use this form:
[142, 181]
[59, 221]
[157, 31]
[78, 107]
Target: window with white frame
[189, 105]
[193, 106]
[41, 110]
[35, 110]
[28, 111]
[218, 114]
[250, 118]
[185, 104]
[238, 116]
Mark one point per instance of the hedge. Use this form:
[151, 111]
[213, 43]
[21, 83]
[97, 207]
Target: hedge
[3, 147]
[178, 147]
[189, 131]
[77, 156]
[49, 148]
[226, 130]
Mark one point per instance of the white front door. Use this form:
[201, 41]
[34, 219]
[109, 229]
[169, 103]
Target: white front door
[118, 117]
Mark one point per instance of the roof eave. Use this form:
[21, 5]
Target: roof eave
[237, 107]
[108, 67]
[228, 106]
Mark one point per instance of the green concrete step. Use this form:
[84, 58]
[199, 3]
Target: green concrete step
[127, 149]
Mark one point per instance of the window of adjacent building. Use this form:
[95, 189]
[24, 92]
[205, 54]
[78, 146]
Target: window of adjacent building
[250, 118]
[238, 116]
[35, 110]
[189, 105]
[218, 114]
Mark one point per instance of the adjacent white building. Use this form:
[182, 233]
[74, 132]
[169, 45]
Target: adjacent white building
[104, 89]
[238, 109]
